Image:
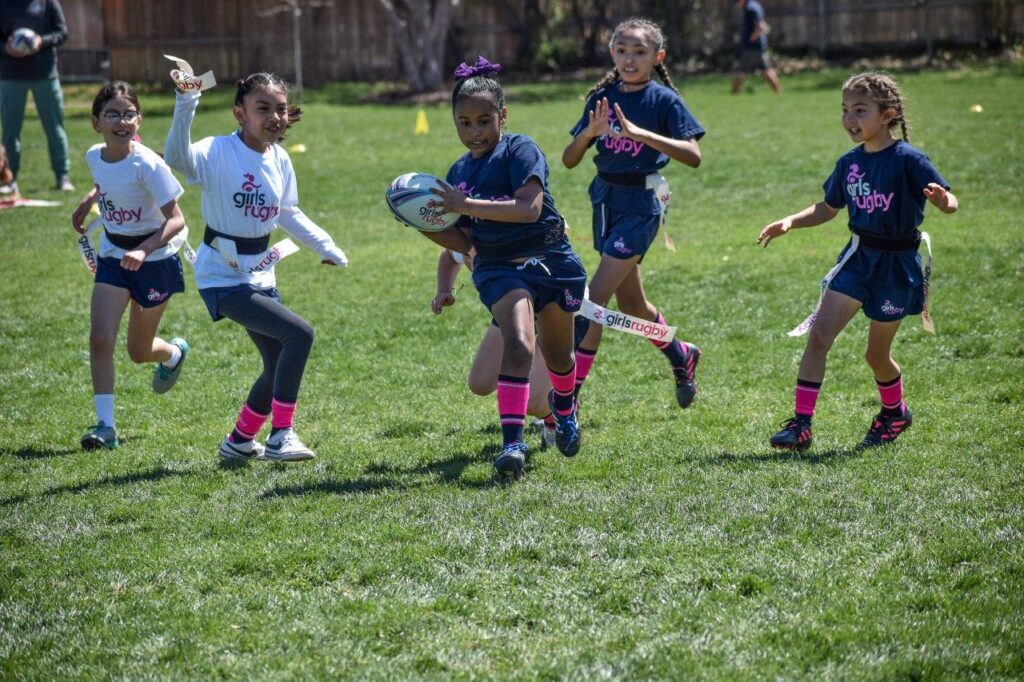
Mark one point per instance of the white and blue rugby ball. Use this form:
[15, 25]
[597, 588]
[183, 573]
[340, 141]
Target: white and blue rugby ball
[409, 198]
[22, 40]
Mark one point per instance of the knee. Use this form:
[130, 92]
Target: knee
[518, 352]
[819, 340]
[878, 359]
[101, 344]
[140, 353]
[480, 385]
[303, 334]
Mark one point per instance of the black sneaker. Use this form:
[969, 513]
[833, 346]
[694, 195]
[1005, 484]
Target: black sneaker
[795, 434]
[686, 383]
[509, 464]
[885, 428]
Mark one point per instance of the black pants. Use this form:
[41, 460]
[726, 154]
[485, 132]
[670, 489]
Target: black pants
[283, 339]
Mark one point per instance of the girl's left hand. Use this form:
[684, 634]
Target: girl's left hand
[133, 260]
[938, 195]
[626, 128]
[452, 198]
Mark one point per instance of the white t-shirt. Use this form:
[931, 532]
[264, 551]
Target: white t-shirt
[130, 193]
[245, 194]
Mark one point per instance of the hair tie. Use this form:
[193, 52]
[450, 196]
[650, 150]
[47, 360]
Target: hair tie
[481, 68]
[240, 82]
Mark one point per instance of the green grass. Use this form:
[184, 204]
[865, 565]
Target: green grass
[677, 545]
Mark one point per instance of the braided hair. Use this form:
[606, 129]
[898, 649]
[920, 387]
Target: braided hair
[651, 32]
[884, 92]
[263, 79]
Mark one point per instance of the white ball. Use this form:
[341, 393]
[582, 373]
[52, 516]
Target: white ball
[409, 198]
[22, 40]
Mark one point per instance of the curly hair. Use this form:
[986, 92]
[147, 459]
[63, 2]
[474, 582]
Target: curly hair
[884, 92]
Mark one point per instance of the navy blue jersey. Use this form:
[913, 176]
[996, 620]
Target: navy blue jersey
[497, 176]
[753, 15]
[883, 191]
[656, 108]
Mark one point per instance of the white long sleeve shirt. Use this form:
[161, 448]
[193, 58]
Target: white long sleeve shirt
[245, 194]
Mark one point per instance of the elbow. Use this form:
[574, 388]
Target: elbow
[695, 161]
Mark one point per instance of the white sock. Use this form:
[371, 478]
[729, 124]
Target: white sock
[174, 359]
[104, 408]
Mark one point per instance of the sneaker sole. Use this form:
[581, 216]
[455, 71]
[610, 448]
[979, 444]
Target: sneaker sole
[159, 387]
[799, 447]
[510, 470]
[570, 450]
[235, 455]
[90, 444]
[289, 457]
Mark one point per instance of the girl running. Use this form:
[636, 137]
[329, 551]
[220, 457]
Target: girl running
[525, 269]
[638, 126]
[249, 188]
[483, 375]
[137, 197]
[883, 183]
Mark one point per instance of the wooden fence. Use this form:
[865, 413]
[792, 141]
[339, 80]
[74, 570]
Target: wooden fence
[352, 39]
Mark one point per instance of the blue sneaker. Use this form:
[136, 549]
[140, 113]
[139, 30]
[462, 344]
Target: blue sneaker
[100, 436]
[509, 464]
[567, 428]
[164, 378]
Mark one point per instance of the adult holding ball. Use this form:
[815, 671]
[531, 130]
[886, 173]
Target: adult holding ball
[31, 30]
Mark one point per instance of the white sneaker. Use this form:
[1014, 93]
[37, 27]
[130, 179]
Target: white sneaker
[285, 446]
[250, 449]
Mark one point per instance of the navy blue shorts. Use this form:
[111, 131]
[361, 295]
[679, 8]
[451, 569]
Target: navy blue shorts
[551, 278]
[881, 303]
[151, 285]
[621, 234]
[214, 295]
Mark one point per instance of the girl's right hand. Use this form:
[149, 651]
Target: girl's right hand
[598, 124]
[776, 229]
[80, 214]
[442, 301]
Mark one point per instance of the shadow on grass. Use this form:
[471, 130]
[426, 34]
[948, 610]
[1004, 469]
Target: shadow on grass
[817, 457]
[37, 453]
[156, 474]
[383, 477]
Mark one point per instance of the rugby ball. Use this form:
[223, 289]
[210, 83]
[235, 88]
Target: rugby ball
[409, 198]
[22, 40]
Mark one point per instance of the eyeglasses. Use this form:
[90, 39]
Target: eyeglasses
[130, 116]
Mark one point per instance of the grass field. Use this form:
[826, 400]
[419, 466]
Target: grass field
[677, 545]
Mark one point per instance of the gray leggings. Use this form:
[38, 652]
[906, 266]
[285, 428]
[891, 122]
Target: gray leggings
[283, 339]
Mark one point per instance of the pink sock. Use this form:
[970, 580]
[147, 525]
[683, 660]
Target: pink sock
[565, 388]
[281, 414]
[806, 397]
[249, 422]
[513, 397]
[891, 393]
[584, 361]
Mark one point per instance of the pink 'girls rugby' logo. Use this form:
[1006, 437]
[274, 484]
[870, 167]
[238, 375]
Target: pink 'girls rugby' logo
[250, 183]
[571, 300]
[252, 201]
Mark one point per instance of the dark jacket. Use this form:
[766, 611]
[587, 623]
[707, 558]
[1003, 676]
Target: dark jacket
[45, 17]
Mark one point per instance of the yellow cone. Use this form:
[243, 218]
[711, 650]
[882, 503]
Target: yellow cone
[977, 109]
[297, 148]
[422, 127]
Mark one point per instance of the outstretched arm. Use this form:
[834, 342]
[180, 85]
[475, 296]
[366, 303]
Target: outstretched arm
[178, 151]
[297, 224]
[809, 217]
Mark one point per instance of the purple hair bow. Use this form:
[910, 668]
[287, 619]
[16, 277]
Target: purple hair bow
[481, 68]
